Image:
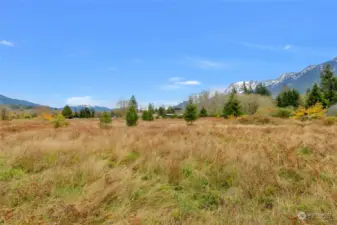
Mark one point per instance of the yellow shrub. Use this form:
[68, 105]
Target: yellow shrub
[315, 112]
[47, 116]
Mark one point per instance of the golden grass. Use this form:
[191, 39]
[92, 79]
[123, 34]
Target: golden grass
[164, 172]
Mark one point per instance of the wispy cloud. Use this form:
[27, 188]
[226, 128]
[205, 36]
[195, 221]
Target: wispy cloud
[179, 82]
[189, 82]
[7, 43]
[266, 47]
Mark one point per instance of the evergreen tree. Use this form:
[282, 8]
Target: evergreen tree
[170, 110]
[150, 110]
[232, 107]
[244, 88]
[133, 102]
[161, 111]
[66, 112]
[289, 97]
[76, 115]
[145, 115]
[131, 116]
[190, 113]
[105, 119]
[203, 112]
[329, 85]
[315, 96]
[261, 89]
[85, 113]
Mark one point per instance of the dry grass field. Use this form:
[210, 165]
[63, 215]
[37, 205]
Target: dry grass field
[165, 172]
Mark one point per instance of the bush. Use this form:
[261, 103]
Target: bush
[60, 121]
[174, 116]
[315, 112]
[131, 116]
[283, 113]
[254, 120]
[105, 120]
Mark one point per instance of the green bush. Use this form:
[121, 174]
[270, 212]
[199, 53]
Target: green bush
[105, 120]
[60, 121]
[282, 113]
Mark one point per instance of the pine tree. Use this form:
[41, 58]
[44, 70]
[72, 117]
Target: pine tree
[170, 110]
[131, 116]
[315, 96]
[250, 89]
[203, 112]
[145, 115]
[76, 115]
[289, 97]
[150, 110]
[66, 112]
[261, 89]
[244, 88]
[161, 111]
[105, 120]
[133, 102]
[232, 107]
[190, 113]
[328, 85]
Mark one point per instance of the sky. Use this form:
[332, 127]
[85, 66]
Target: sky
[98, 52]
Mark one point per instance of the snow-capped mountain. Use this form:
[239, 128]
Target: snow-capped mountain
[301, 80]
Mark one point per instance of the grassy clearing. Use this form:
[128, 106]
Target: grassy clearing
[247, 171]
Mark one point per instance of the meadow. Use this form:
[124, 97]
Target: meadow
[216, 171]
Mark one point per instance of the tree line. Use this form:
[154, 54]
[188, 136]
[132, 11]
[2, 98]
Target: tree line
[324, 93]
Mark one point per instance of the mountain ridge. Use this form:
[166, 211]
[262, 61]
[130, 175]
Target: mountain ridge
[301, 80]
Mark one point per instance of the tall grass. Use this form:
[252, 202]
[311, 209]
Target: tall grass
[164, 172]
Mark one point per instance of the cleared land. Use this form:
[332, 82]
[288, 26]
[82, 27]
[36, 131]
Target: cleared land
[164, 172]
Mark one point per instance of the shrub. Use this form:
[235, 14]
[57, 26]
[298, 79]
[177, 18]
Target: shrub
[174, 116]
[4, 114]
[315, 112]
[105, 120]
[60, 121]
[131, 116]
[190, 113]
[283, 113]
[145, 115]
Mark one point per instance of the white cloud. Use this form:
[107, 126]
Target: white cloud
[86, 100]
[178, 82]
[189, 82]
[7, 43]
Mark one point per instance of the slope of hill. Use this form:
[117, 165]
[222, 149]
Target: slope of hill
[23, 103]
[11, 101]
[301, 80]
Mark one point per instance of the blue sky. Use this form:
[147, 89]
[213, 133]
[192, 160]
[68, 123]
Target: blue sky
[100, 51]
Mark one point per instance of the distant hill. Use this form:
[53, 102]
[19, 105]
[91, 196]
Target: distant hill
[17, 103]
[96, 108]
